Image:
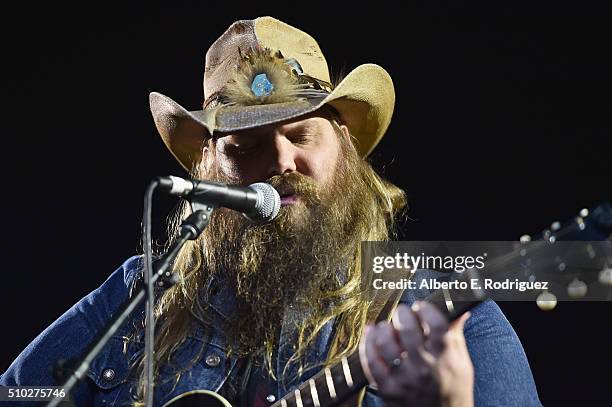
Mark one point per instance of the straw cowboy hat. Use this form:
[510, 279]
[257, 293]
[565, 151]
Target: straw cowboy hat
[265, 71]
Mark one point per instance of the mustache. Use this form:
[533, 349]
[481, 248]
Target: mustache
[295, 183]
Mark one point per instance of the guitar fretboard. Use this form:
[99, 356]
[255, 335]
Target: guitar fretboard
[329, 387]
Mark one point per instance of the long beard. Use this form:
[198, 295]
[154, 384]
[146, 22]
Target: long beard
[296, 259]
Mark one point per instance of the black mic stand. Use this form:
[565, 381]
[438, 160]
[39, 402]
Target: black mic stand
[190, 229]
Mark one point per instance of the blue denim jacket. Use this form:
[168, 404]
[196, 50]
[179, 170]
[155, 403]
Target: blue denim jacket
[503, 376]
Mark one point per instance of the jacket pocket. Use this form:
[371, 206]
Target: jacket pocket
[203, 364]
[111, 367]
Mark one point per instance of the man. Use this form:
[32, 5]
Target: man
[260, 309]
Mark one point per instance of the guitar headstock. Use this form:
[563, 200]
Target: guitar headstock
[586, 263]
[568, 261]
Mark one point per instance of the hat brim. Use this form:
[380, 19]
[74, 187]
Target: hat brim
[364, 98]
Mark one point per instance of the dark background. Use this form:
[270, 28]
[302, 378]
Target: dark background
[502, 125]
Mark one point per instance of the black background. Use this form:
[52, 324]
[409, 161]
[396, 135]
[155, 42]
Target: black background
[502, 125]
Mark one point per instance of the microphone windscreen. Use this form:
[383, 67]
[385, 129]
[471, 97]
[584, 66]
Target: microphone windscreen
[268, 203]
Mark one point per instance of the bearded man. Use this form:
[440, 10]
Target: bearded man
[260, 308]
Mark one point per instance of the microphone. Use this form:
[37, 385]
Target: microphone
[258, 202]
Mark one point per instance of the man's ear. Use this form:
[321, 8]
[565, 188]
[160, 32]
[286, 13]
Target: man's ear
[206, 157]
[345, 132]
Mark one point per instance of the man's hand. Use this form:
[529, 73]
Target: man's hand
[418, 359]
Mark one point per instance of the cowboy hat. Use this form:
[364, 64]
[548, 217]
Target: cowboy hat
[265, 71]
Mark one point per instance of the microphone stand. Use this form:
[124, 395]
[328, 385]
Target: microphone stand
[190, 229]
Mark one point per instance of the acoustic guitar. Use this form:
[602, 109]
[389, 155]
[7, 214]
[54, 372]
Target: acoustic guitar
[337, 383]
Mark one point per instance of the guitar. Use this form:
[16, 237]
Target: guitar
[335, 384]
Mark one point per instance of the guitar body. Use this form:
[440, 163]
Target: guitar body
[198, 398]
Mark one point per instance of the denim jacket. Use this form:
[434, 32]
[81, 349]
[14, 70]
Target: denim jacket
[503, 376]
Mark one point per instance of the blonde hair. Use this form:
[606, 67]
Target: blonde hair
[181, 306]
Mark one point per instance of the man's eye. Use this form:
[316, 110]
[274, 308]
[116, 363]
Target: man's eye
[301, 139]
[240, 148]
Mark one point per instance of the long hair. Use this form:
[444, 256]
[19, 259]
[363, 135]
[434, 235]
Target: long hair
[181, 306]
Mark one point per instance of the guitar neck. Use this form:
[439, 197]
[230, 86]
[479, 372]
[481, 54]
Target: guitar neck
[330, 386]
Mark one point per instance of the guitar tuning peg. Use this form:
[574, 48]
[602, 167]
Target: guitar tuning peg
[577, 288]
[546, 301]
[605, 275]
[560, 263]
[555, 226]
[590, 251]
[547, 235]
[580, 222]
[584, 212]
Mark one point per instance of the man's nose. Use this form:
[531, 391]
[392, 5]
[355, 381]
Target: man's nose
[282, 156]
